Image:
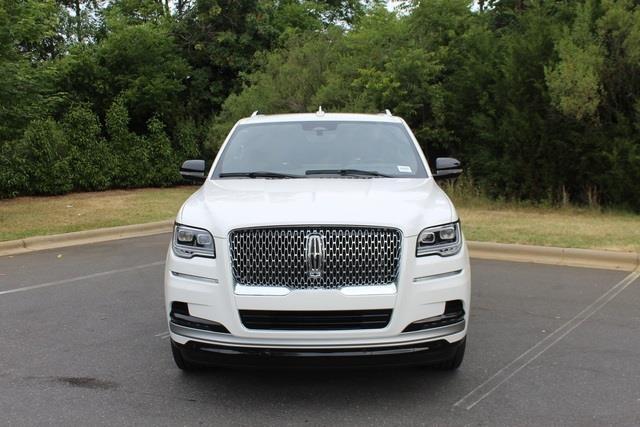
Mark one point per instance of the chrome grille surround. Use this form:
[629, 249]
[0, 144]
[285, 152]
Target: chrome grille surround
[277, 256]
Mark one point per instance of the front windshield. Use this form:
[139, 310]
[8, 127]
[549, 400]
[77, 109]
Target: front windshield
[321, 148]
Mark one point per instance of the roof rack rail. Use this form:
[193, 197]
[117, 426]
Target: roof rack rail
[255, 113]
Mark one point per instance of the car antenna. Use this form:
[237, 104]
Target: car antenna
[255, 113]
[320, 112]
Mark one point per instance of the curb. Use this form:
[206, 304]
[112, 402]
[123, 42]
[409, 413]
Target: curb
[610, 260]
[37, 243]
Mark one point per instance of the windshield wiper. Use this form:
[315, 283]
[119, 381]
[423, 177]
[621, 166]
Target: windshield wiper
[345, 172]
[258, 174]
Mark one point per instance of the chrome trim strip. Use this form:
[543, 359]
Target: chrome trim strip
[389, 289]
[278, 291]
[436, 276]
[281, 291]
[214, 338]
[192, 277]
[317, 225]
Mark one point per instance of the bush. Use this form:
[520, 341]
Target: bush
[12, 178]
[163, 168]
[140, 160]
[43, 155]
[91, 158]
[131, 158]
[622, 176]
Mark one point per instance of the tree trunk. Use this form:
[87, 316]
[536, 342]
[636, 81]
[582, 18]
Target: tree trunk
[78, 11]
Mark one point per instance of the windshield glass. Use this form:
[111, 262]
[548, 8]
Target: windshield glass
[321, 148]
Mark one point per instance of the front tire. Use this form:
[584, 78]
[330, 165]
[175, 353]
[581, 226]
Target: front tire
[454, 362]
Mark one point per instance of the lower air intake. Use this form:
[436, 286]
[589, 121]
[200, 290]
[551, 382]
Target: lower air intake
[315, 320]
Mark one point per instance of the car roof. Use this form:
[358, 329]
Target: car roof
[321, 116]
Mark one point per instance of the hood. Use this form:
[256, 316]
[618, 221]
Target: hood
[408, 204]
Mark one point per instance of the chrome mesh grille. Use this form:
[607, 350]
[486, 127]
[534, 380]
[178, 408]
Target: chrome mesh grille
[352, 256]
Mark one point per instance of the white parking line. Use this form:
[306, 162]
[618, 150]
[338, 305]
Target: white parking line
[80, 278]
[485, 389]
[163, 335]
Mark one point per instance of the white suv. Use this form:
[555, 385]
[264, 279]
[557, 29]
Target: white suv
[318, 238]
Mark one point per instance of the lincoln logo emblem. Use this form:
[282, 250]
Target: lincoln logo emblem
[314, 252]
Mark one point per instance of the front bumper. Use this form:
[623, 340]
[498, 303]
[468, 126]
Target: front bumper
[423, 287]
[430, 352]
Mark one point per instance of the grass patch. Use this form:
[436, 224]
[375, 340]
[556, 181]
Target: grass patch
[482, 219]
[544, 225]
[572, 228]
[36, 216]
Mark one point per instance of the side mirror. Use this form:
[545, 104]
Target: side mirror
[193, 170]
[447, 168]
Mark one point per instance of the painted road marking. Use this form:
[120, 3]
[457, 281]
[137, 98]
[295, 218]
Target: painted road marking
[163, 335]
[80, 278]
[485, 389]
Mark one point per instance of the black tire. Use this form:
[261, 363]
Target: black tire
[180, 362]
[455, 362]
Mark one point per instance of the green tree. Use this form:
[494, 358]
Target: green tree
[27, 91]
[140, 64]
[382, 66]
[287, 82]
[80, 19]
[574, 82]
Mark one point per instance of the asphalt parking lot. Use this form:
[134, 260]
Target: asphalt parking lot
[83, 341]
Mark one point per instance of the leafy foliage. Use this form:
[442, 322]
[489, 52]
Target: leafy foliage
[541, 100]
[44, 152]
[91, 158]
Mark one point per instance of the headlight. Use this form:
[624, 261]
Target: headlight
[189, 242]
[443, 240]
